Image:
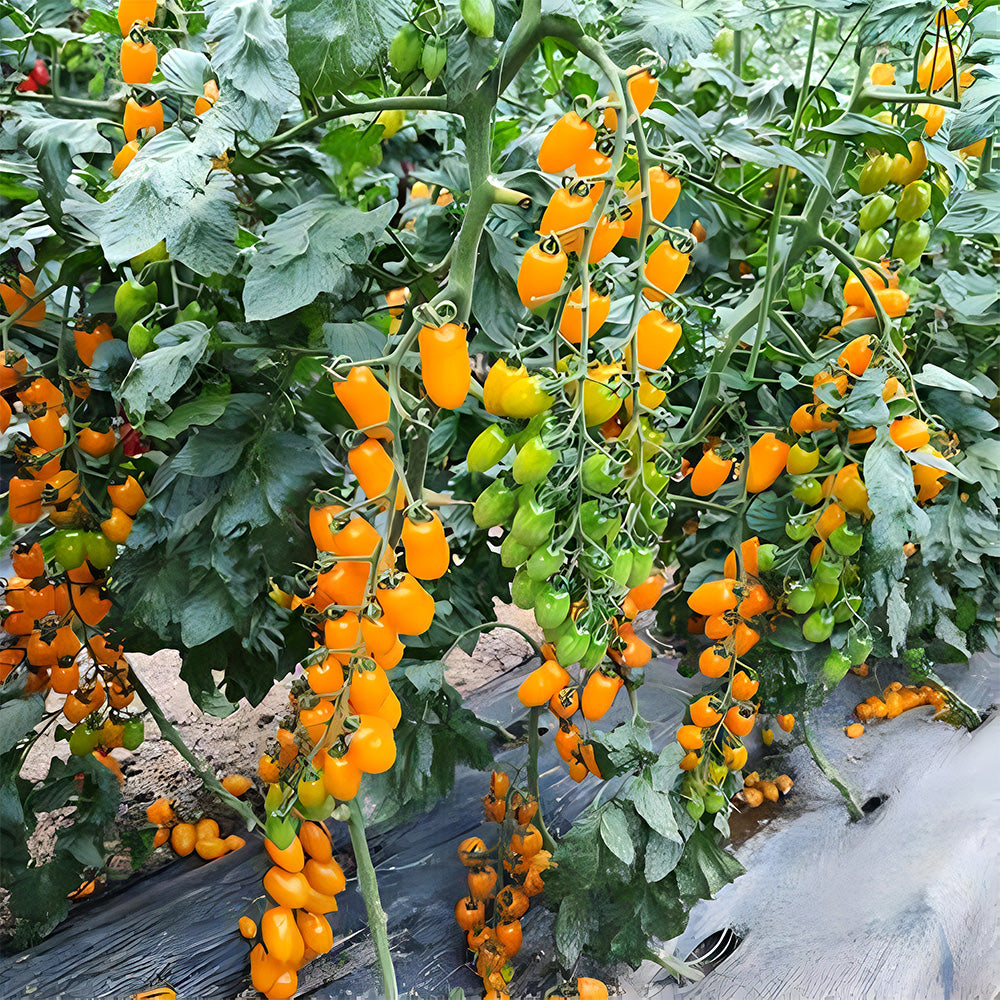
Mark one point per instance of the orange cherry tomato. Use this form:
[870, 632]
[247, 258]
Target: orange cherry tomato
[738, 723]
[714, 596]
[542, 272]
[407, 607]
[641, 88]
[656, 339]
[571, 320]
[608, 231]
[15, 299]
[444, 364]
[565, 142]
[138, 59]
[427, 553]
[664, 190]
[909, 433]
[372, 748]
[542, 683]
[567, 209]
[599, 694]
[97, 444]
[139, 118]
[129, 496]
[665, 270]
[709, 474]
[341, 778]
[713, 663]
[748, 555]
[281, 935]
[744, 688]
[122, 159]
[366, 401]
[765, 462]
[703, 714]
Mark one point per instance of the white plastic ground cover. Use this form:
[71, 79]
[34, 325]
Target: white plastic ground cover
[902, 905]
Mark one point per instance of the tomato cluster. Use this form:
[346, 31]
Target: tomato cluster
[303, 883]
[418, 49]
[56, 602]
[584, 472]
[200, 836]
[499, 893]
[138, 60]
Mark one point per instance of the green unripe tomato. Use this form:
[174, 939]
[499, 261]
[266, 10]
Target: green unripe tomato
[642, 565]
[911, 241]
[875, 174]
[153, 255]
[68, 548]
[434, 58]
[523, 590]
[873, 246]
[876, 212]
[845, 541]
[490, 446]
[826, 572]
[545, 561]
[100, 551]
[766, 556]
[83, 740]
[695, 808]
[809, 491]
[714, 800]
[496, 505]
[513, 553]
[826, 591]
[818, 627]
[798, 531]
[914, 201]
[405, 51]
[600, 474]
[533, 462]
[801, 598]
[479, 16]
[133, 734]
[133, 301]
[140, 339]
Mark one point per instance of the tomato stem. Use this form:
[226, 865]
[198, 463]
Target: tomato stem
[368, 884]
[823, 763]
[173, 737]
[533, 746]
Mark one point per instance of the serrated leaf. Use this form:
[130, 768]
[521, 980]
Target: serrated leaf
[575, 923]
[891, 497]
[869, 131]
[332, 44]
[156, 376]
[357, 340]
[318, 246]
[18, 717]
[257, 84]
[973, 213]
[615, 834]
[979, 115]
[169, 192]
[197, 413]
[897, 22]
[654, 807]
[705, 867]
[674, 30]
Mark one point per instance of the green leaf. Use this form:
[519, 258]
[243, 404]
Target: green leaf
[973, 213]
[333, 44]
[979, 115]
[654, 807]
[318, 246]
[662, 855]
[891, 497]
[705, 867]
[897, 22]
[197, 413]
[358, 340]
[168, 194]
[575, 923]
[54, 142]
[250, 55]
[615, 833]
[18, 717]
[156, 376]
[869, 131]
[676, 31]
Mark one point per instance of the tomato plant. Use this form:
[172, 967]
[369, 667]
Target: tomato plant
[297, 330]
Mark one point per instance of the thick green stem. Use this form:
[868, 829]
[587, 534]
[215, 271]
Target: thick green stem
[377, 923]
[174, 738]
[767, 296]
[823, 763]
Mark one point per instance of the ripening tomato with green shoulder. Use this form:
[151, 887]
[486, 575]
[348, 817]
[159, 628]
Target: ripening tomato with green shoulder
[801, 461]
[875, 174]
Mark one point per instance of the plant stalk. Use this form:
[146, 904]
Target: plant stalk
[377, 923]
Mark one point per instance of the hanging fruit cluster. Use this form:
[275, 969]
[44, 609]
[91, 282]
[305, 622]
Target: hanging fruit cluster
[502, 880]
[583, 468]
[359, 607]
[137, 61]
[200, 836]
[303, 883]
[417, 53]
[56, 602]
